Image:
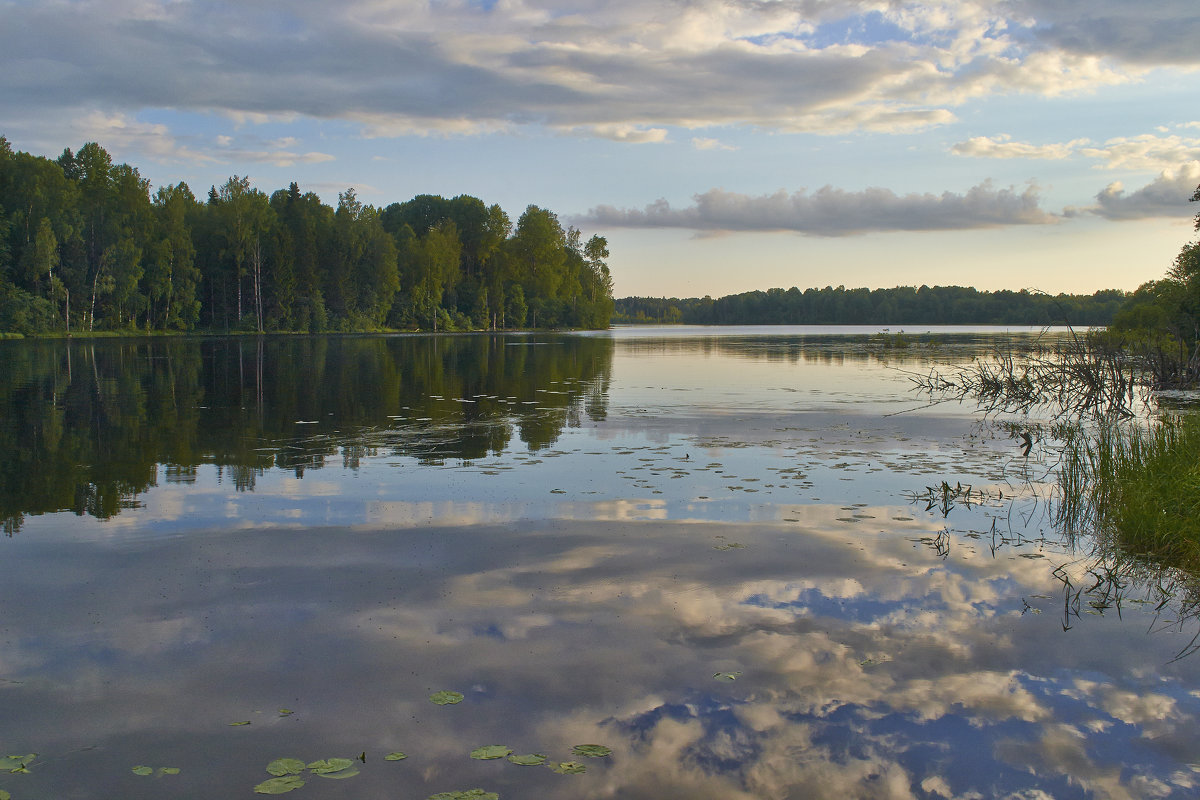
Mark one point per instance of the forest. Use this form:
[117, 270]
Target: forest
[902, 305]
[86, 246]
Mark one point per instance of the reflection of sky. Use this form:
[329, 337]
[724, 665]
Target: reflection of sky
[590, 592]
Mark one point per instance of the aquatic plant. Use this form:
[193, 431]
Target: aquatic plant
[591, 750]
[289, 775]
[446, 698]
[1082, 374]
[527, 759]
[1137, 486]
[490, 751]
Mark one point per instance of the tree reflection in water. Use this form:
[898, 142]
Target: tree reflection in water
[88, 423]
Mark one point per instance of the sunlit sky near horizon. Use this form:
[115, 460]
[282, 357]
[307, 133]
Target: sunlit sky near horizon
[720, 145]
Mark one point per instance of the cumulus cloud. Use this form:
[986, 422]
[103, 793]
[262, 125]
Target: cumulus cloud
[836, 212]
[633, 134]
[1146, 152]
[124, 134]
[624, 72]
[1165, 196]
[703, 143]
[1003, 146]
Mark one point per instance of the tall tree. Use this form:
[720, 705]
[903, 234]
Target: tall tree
[246, 217]
[539, 250]
[172, 276]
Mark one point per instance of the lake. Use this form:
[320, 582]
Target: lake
[743, 563]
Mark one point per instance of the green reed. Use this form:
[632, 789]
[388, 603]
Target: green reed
[1136, 485]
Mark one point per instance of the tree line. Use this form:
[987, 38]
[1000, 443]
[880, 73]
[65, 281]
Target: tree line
[902, 305]
[86, 245]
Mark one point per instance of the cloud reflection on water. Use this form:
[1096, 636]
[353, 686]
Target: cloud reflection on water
[879, 655]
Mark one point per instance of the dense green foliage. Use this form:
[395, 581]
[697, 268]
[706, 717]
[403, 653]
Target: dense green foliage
[1161, 320]
[85, 245]
[902, 305]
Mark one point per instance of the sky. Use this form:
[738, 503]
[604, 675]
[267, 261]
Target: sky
[720, 146]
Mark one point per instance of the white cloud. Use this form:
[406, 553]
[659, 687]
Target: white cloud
[1003, 146]
[1146, 152]
[701, 143]
[274, 156]
[122, 134]
[633, 134]
[836, 212]
[625, 72]
[1165, 196]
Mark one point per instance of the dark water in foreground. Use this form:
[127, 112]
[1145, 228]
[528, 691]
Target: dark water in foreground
[698, 550]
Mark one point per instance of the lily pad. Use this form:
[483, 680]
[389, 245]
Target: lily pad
[285, 766]
[330, 765]
[280, 785]
[726, 676]
[143, 770]
[488, 752]
[528, 760]
[235, 724]
[468, 794]
[397, 756]
[348, 772]
[17, 763]
[567, 767]
[592, 750]
[446, 698]
[286, 712]
[168, 770]
[5, 795]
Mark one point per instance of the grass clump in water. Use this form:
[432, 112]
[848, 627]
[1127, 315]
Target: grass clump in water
[1139, 485]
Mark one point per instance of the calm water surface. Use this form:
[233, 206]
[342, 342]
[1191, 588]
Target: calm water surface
[711, 551]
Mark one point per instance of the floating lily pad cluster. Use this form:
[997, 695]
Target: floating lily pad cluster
[289, 773]
[497, 751]
[144, 770]
[492, 752]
